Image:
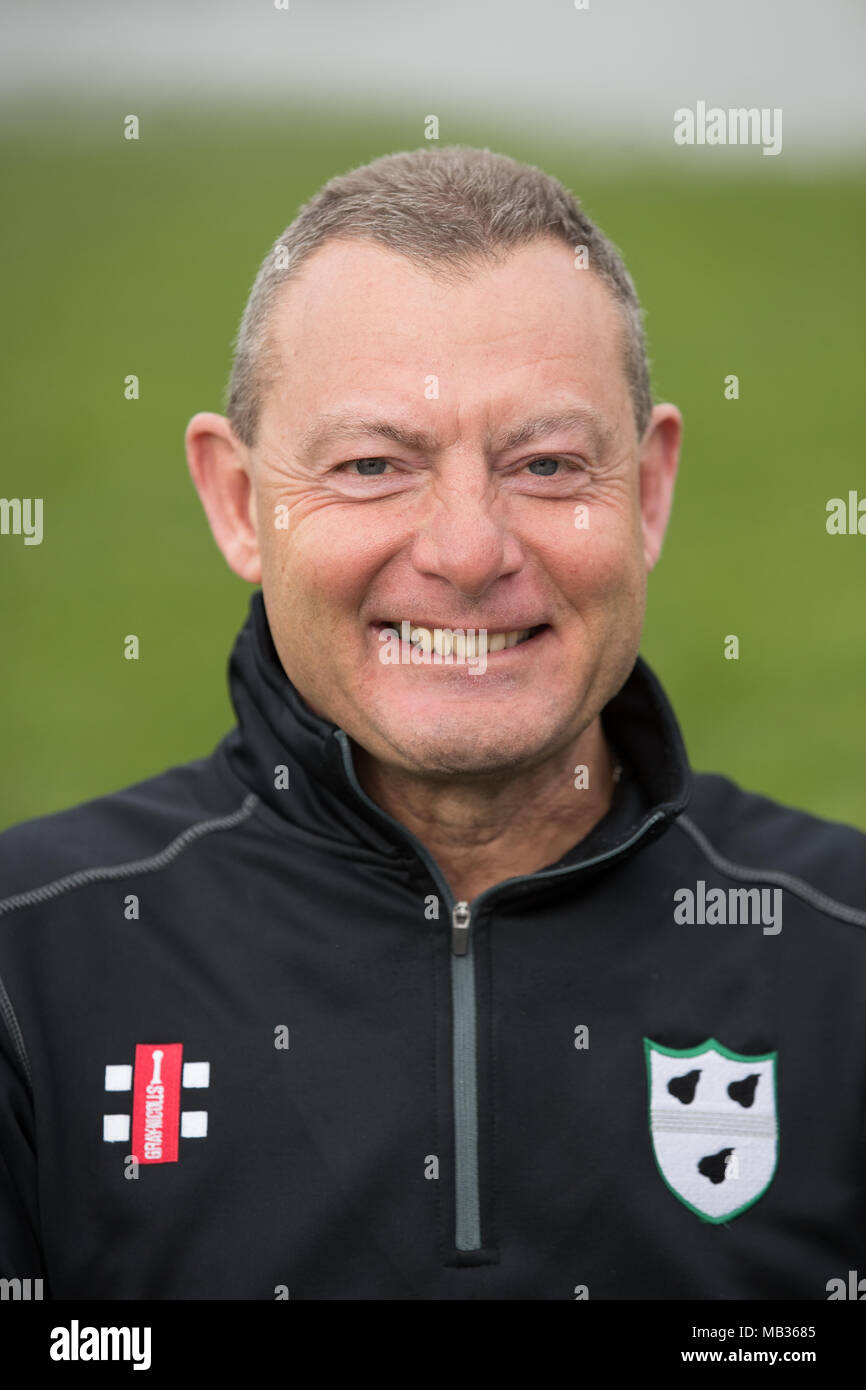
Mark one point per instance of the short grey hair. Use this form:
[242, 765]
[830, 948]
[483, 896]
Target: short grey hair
[446, 208]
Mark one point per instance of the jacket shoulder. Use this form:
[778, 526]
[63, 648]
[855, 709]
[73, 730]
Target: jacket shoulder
[136, 823]
[771, 840]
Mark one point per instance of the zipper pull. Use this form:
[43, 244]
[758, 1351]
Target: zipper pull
[461, 917]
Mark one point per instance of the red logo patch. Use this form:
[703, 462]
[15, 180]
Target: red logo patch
[156, 1102]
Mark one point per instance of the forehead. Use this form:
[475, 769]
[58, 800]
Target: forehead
[364, 324]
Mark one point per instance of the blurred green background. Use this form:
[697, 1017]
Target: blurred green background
[122, 257]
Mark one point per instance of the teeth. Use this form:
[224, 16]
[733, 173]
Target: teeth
[444, 641]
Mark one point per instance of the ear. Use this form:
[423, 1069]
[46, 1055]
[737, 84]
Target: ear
[659, 457]
[220, 468]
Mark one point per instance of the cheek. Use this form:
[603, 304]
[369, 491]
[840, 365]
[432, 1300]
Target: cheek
[596, 560]
[325, 561]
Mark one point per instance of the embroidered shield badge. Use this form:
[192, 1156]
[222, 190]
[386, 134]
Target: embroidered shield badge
[714, 1125]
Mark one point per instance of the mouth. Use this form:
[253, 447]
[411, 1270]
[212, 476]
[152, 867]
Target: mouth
[467, 641]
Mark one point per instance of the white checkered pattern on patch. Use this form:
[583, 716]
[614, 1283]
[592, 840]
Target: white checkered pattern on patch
[193, 1124]
[115, 1128]
[118, 1078]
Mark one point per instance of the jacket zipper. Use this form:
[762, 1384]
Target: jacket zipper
[467, 1187]
[467, 1232]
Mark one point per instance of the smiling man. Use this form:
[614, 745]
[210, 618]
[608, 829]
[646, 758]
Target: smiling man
[398, 994]
[365, 502]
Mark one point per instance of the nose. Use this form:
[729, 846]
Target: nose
[465, 538]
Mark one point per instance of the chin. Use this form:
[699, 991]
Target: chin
[443, 750]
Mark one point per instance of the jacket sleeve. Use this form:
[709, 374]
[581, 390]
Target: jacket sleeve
[21, 1255]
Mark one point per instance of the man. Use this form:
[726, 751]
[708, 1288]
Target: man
[427, 984]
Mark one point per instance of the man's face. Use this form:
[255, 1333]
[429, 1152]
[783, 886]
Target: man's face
[462, 521]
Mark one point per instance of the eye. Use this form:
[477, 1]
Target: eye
[367, 468]
[544, 467]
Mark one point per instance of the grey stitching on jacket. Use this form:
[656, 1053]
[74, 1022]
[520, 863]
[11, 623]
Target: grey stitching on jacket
[797, 886]
[84, 876]
[10, 1018]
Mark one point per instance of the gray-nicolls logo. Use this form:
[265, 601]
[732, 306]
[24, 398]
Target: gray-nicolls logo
[158, 1085]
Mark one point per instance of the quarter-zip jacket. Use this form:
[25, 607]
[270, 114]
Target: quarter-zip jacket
[251, 1047]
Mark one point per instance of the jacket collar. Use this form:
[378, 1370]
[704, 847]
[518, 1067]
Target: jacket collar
[276, 729]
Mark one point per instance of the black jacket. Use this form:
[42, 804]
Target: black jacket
[252, 1049]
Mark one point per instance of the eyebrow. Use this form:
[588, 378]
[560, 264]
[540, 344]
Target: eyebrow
[329, 428]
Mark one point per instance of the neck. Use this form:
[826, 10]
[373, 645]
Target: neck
[486, 829]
